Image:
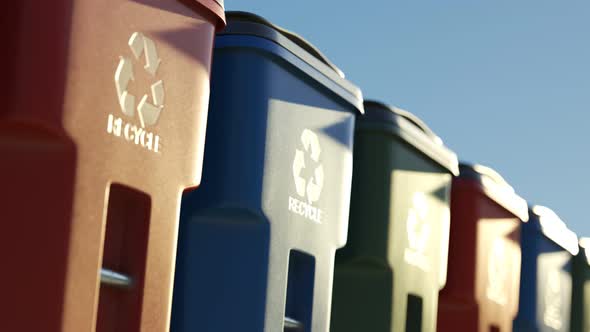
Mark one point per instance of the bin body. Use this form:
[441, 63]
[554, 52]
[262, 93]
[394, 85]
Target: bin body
[388, 276]
[483, 277]
[104, 98]
[257, 239]
[545, 280]
[581, 289]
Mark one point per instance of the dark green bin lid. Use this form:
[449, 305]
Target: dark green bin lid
[585, 248]
[410, 129]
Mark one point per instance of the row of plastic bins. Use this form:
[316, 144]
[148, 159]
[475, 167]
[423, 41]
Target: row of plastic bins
[320, 211]
[317, 210]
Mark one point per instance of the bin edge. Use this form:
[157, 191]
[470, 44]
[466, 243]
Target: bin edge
[555, 229]
[496, 188]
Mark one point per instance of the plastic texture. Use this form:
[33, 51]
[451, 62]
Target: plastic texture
[257, 240]
[482, 290]
[102, 129]
[388, 276]
[546, 280]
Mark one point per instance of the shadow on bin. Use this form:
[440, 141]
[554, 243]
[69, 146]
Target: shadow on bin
[101, 111]
[388, 276]
[483, 278]
[546, 283]
[257, 239]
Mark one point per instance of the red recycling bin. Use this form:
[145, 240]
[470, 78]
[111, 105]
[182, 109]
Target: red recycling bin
[101, 130]
[482, 287]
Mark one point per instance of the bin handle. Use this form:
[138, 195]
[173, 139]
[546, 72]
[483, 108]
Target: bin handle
[292, 324]
[115, 279]
[292, 36]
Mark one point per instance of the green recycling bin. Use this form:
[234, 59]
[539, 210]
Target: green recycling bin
[388, 276]
[581, 288]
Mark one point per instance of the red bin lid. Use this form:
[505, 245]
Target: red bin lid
[217, 8]
[496, 188]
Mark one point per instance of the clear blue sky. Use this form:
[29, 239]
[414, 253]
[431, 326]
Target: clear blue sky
[504, 83]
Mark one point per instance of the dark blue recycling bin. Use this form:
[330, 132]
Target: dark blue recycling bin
[257, 239]
[548, 247]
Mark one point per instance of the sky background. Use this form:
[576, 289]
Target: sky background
[503, 83]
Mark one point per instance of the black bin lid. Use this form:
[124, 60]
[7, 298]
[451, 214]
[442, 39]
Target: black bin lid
[245, 23]
[412, 130]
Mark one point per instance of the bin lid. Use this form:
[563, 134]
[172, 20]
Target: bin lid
[412, 130]
[245, 23]
[584, 243]
[555, 229]
[217, 8]
[496, 188]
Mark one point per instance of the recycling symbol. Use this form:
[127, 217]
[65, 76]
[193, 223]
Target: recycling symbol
[311, 187]
[417, 225]
[147, 110]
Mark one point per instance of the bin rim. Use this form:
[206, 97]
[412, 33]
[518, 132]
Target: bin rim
[410, 129]
[554, 228]
[495, 187]
[243, 16]
[216, 7]
[394, 110]
[249, 24]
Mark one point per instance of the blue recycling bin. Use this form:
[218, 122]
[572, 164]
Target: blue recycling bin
[548, 247]
[257, 239]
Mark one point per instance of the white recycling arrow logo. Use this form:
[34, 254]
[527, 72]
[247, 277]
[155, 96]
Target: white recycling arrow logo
[417, 225]
[148, 111]
[310, 188]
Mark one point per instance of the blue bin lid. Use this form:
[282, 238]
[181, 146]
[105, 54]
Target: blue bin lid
[412, 130]
[496, 188]
[245, 23]
[555, 229]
